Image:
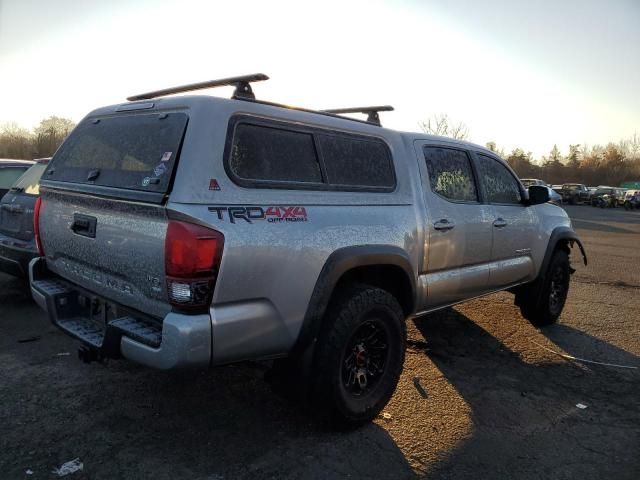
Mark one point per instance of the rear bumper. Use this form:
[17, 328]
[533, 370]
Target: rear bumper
[176, 342]
[15, 259]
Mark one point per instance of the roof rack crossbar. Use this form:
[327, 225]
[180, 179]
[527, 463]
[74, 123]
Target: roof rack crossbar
[372, 112]
[242, 84]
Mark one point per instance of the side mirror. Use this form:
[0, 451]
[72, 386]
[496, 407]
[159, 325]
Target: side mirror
[538, 194]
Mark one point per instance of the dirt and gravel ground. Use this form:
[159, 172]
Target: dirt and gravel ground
[491, 402]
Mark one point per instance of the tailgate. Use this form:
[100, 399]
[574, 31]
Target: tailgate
[102, 219]
[111, 247]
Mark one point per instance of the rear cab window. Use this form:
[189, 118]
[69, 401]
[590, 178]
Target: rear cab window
[135, 152]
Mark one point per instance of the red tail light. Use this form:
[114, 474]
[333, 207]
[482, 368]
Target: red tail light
[36, 226]
[192, 259]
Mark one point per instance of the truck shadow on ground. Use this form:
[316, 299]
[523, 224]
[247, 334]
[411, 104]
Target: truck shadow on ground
[525, 420]
[126, 421]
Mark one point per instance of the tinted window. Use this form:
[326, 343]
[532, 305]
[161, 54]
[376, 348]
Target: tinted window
[265, 153]
[450, 174]
[9, 175]
[29, 182]
[355, 162]
[499, 184]
[134, 152]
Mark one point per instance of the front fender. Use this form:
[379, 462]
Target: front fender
[558, 236]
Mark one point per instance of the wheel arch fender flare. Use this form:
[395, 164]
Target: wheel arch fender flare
[339, 263]
[560, 235]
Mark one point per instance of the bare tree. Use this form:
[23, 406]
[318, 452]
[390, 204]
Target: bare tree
[441, 124]
[50, 134]
[634, 146]
[15, 142]
[494, 148]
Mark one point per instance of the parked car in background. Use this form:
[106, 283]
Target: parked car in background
[557, 189]
[632, 200]
[17, 244]
[574, 193]
[620, 194]
[598, 198]
[10, 170]
[527, 182]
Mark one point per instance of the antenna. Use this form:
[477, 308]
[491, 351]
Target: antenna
[372, 112]
[242, 83]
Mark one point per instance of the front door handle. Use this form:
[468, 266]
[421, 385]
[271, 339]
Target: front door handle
[499, 223]
[444, 224]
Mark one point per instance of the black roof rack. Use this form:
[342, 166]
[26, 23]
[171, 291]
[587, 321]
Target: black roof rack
[243, 92]
[372, 112]
[242, 84]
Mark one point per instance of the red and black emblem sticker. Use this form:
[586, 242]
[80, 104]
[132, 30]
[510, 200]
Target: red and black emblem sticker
[271, 214]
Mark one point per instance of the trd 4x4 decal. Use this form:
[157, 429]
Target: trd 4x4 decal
[271, 214]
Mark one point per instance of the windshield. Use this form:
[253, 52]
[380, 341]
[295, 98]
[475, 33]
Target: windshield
[135, 152]
[572, 187]
[29, 182]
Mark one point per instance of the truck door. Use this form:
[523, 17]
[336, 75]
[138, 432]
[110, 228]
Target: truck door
[459, 229]
[513, 224]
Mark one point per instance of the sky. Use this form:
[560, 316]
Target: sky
[526, 74]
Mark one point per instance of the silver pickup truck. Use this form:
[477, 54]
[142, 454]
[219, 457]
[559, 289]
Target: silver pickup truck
[195, 231]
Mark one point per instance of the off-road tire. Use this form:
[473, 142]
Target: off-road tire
[358, 307]
[542, 301]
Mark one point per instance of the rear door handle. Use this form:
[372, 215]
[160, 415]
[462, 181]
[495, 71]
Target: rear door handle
[443, 225]
[499, 223]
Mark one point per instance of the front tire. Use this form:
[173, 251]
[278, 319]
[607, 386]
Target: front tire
[360, 354]
[542, 301]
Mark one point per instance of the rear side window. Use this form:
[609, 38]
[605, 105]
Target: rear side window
[353, 162]
[450, 174]
[29, 182]
[273, 154]
[282, 155]
[135, 152]
[9, 175]
[499, 184]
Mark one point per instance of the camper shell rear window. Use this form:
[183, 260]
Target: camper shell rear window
[136, 152]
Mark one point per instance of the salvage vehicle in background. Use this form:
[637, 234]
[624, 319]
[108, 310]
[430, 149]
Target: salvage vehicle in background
[632, 200]
[17, 242]
[604, 197]
[620, 194]
[197, 231]
[10, 170]
[574, 193]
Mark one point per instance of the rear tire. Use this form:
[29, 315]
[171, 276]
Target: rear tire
[359, 355]
[542, 301]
